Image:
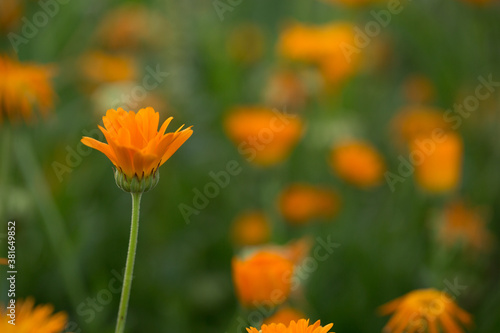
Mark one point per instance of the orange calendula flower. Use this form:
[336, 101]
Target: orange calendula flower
[467, 225]
[425, 310]
[328, 46]
[23, 87]
[3, 261]
[438, 162]
[264, 136]
[32, 319]
[251, 228]
[264, 277]
[284, 316]
[100, 67]
[135, 145]
[300, 203]
[300, 326]
[414, 121]
[358, 163]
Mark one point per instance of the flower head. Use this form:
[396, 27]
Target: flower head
[300, 326]
[135, 145]
[263, 277]
[263, 135]
[284, 316]
[323, 46]
[462, 223]
[251, 228]
[300, 203]
[358, 163]
[101, 67]
[24, 86]
[425, 310]
[438, 169]
[33, 319]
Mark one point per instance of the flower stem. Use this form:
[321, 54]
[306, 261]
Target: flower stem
[129, 268]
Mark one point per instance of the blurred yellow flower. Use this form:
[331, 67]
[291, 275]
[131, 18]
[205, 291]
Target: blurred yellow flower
[285, 89]
[263, 136]
[135, 146]
[439, 167]
[358, 163]
[32, 319]
[245, 43]
[326, 46]
[251, 228]
[415, 121]
[418, 89]
[100, 67]
[425, 310]
[300, 203]
[23, 87]
[467, 225]
[263, 278]
[10, 15]
[301, 326]
[284, 316]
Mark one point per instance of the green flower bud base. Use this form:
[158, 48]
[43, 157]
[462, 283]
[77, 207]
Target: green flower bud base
[134, 184]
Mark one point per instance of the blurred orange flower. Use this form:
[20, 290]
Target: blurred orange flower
[301, 326]
[326, 46]
[3, 261]
[130, 27]
[285, 88]
[464, 224]
[100, 67]
[284, 316]
[251, 228]
[358, 163]
[263, 278]
[11, 13]
[418, 89]
[264, 136]
[414, 121]
[245, 43]
[300, 203]
[33, 319]
[425, 310]
[135, 146]
[439, 167]
[24, 86]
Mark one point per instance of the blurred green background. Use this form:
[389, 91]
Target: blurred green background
[182, 279]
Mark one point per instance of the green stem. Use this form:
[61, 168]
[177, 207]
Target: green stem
[129, 268]
[6, 155]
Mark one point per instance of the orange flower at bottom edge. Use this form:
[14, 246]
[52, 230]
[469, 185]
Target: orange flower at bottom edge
[301, 326]
[135, 145]
[300, 203]
[284, 316]
[426, 310]
[264, 277]
[32, 319]
[358, 163]
[24, 86]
